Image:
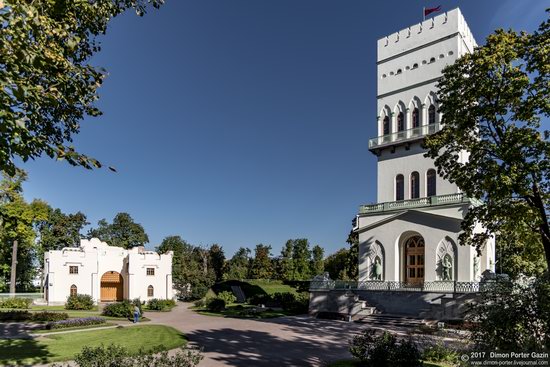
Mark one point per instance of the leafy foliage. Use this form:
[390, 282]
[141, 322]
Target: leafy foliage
[15, 303]
[123, 232]
[237, 267]
[384, 350]
[261, 266]
[217, 260]
[215, 304]
[228, 297]
[47, 84]
[114, 355]
[80, 321]
[513, 315]
[79, 302]
[160, 304]
[49, 316]
[15, 315]
[317, 263]
[492, 144]
[119, 309]
[438, 352]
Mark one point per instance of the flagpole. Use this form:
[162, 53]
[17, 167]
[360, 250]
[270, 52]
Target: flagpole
[423, 13]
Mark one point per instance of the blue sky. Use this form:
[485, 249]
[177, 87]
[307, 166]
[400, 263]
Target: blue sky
[243, 122]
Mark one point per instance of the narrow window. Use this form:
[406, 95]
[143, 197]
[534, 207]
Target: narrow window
[400, 122]
[415, 118]
[74, 290]
[150, 291]
[150, 271]
[432, 60]
[399, 71]
[399, 187]
[415, 66]
[415, 187]
[386, 126]
[73, 269]
[431, 182]
[431, 114]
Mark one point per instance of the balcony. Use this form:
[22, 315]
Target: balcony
[403, 136]
[396, 286]
[417, 203]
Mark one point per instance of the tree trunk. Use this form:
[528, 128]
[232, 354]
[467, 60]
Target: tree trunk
[13, 266]
[544, 228]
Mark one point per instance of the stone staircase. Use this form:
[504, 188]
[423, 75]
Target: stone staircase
[390, 321]
[238, 292]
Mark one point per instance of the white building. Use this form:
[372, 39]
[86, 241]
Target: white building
[412, 230]
[107, 273]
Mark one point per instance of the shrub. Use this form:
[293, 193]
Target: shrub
[298, 303]
[160, 304]
[83, 321]
[384, 350]
[118, 309]
[114, 355]
[260, 299]
[15, 316]
[15, 303]
[228, 297]
[438, 352]
[49, 316]
[79, 302]
[216, 304]
[200, 303]
[197, 292]
[513, 314]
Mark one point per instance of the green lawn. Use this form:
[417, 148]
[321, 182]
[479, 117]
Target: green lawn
[62, 347]
[239, 311]
[273, 286]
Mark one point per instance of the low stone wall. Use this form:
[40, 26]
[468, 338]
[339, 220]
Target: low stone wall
[428, 305]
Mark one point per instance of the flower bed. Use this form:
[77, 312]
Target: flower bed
[82, 321]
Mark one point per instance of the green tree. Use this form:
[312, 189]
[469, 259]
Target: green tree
[47, 83]
[301, 255]
[17, 234]
[317, 262]
[286, 262]
[261, 267]
[352, 263]
[123, 232]
[217, 260]
[237, 267]
[492, 103]
[336, 264]
[58, 230]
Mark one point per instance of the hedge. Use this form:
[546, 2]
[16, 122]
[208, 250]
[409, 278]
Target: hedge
[83, 321]
[16, 303]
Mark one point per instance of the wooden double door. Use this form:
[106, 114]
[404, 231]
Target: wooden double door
[414, 260]
[112, 287]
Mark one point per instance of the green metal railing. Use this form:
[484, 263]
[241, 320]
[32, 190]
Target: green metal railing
[417, 203]
[402, 136]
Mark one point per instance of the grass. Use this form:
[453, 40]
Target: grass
[63, 347]
[73, 313]
[356, 363]
[73, 328]
[273, 286]
[239, 311]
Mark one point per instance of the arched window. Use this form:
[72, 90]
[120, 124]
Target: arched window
[431, 114]
[386, 126]
[415, 185]
[432, 60]
[399, 71]
[415, 66]
[431, 183]
[400, 122]
[415, 118]
[150, 291]
[74, 290]
[399, 187]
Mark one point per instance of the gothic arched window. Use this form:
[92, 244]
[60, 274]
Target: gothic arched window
[400, 122]
[415, 185]
[415, 118]
[399, 187]
[431, 183]
[150, 291]
[431, 114]
[386, 126]
[74, 290]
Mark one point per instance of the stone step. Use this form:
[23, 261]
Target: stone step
[388, 320]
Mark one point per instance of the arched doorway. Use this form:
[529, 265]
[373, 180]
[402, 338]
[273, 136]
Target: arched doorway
[111, 287]
[414, 260]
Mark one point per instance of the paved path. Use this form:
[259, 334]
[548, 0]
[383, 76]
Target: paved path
[285, 341]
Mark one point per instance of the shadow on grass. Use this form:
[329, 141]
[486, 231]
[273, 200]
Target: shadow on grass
[22, 352]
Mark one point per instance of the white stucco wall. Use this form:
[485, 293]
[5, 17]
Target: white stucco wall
[95, 258]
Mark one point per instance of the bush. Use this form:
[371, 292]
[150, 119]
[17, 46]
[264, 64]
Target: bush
[49, 316]
[83, 321]
[15, 316]
[260, 299]
[114, 355]
[197, 292]
[438, 352]
[228, 297]
[118, 309]
[513, 314]
[15, 303]
[384, 350]
[298, 303]
[200, 303]
[160, 304]
[79, 302]
[216, 305]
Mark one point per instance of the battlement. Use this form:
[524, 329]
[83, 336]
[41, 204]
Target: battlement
[432, 29]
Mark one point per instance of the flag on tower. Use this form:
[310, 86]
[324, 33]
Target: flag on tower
[428, 11]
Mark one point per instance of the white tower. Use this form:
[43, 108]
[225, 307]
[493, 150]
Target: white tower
[412, 231]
